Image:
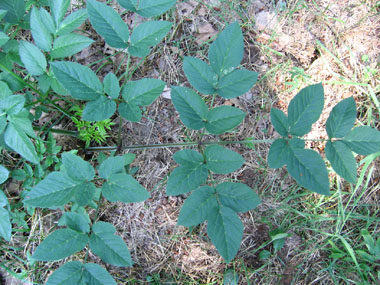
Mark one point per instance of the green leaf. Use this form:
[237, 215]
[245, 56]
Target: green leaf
[84, 193]
[4, 90]
[222, 119]
[278, 153]
[363, 140]
[109, 247]
[72, 21]
[44, 83]
[22, 120]
[279, 121]
[41, 35]
[79, 80]
[197, 206]
[305, 108]
[60, 244]
[77, 168]
[3, 198]
[111, 165]
[54, 191]
[122, 187]
[226, 52]
[5, 225]
[225, 230]
[142, 92]
[236, 83]
[231, 277]
[99, 110]
[4, 173]
[108, 24]
[111, 85]
[97, 275]
[190, 106]
[342, 160]
[76, 222]
[188, 158]
[200, 75]
[3, 39]
[70, 44]
[130, 112]
[33, 59]
[308, 169]
[221, 160]
[68, 274]
[147, 35]
[185, 179]
[15, 10]
[12, 104]
[58, 9]
[18, 141]
[130, 5]
[148, 8]
[237, 196]
[342, 118]
[47, 20]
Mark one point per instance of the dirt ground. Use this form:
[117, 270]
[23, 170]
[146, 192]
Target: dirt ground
[291, 44]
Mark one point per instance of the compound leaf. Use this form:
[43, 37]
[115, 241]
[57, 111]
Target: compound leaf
[97, 275]
[225, 230]
[70, 44]
[308, 169]
[72, 21]
[226, 52]
[237, 196]
[152, 8]
[130, 112]
[188, 158]
[15, 10]
[236, 83]
[32, 58]
[305, 108]
[279, 121]
[122, 187]
[200, 75]
[41, 35]
[147, 35]
[363, 140]
[278, 153]
[111, 165]
[342, 118]
[185, 179]
[221, 160]
[109, 247]
[77, 168]
[68, 274]
[190, 106]
[5, 225]
[223, 118]
[58, 9]
[4, 173]
[54, 191]
[111, 85]
[17, 140]
[142, 92]
[197, 206]
[108, 24]
[342, 160]
[60, 244]
[79, 80]
[99, 109]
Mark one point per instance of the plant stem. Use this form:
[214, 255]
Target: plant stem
[58, 131]
[148, 146]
